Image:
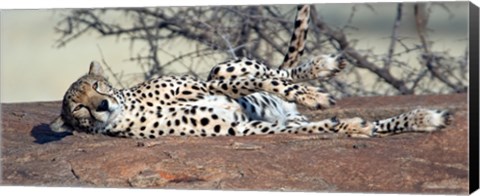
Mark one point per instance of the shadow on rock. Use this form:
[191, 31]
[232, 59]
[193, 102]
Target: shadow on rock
[43, 134]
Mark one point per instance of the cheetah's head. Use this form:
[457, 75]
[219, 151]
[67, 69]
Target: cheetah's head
[88, 103]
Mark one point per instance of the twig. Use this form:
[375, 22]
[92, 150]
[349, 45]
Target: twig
[262, 32]
[231, 50]
[359, 59]
[428, 57]
[109, 68]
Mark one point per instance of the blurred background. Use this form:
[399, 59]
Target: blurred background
[392, 48]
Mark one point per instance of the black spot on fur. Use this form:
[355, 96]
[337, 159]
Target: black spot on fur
[396, 125]
[216, 70]
[256, 123]
[230, 69]
[204, 121]
[264, 130]
[231, 131]
[184, 120]
[298, 23]
[224, 86]
[291, 49]
[216, 129]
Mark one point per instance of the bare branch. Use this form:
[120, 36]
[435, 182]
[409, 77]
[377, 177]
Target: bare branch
[428, 58]
[355, 57]
[393, 38]
[263, 32]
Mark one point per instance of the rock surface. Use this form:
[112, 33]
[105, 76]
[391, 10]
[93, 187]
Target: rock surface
[405, 163]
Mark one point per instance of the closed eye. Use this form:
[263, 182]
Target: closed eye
[95, 85]
[78, 107]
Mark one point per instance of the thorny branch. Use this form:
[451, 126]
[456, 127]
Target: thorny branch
[215, 34]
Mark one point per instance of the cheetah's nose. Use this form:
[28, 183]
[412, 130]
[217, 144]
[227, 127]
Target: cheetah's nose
[341, 58]
[103, 106]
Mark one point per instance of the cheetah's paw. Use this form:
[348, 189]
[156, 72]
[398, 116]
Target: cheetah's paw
[324, 71]
[356, 127]
[430, 120]
[314, 98]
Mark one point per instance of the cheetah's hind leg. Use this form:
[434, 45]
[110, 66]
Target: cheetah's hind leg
[321, 68]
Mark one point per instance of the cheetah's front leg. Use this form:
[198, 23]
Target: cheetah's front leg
[310, 97]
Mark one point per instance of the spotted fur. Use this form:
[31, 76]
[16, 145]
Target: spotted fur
[181, 106]
[240, 97]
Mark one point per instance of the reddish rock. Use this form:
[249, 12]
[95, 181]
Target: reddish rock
[406, 163]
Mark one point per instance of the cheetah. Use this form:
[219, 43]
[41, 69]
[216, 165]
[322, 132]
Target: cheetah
[180, 106]
[240, 97]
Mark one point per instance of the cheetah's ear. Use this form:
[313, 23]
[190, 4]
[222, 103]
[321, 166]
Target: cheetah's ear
[58, 125]
[95, 69]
